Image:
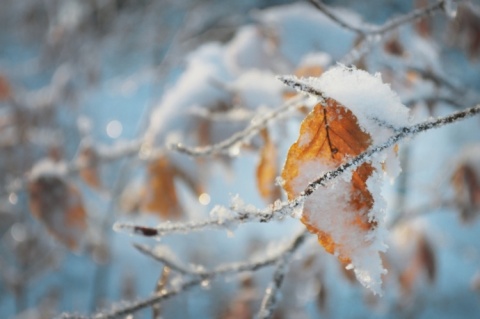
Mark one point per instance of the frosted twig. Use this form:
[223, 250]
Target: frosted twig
[241, 215]
[270, 298]
[341, 22]
[386, 27]
[363, 157]
[168, 261]
[280, 210]
[407, 18]
[372, 35]
[165, 294]
[420, 211]
[242, 136]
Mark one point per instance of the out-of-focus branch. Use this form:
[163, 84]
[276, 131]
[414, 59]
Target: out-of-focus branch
[270, 298]
[165, 258]
[242, 136]
[387, 26]
[284, 254]
[371, 35]
[335, 18]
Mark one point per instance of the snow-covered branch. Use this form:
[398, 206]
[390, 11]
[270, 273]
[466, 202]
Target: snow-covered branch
[242, 136]
[277, 211]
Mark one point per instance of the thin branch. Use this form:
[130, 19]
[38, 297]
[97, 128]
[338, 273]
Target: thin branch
[165, 258]
[282, 209]
[371, 36]
[420, 211]
[242, 136]
[270, 298]
[335, 18]
[236, 268]
[410, 17]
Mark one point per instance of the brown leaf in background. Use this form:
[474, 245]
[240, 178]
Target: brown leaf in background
[466, 184]
[423, 26]
[160, 195]
[466, 29]
[267, 169]
[331, 134]
[58, 205]
[89, 172]
[422, 262]
[5, 89]
[240, 307]
[394, 47]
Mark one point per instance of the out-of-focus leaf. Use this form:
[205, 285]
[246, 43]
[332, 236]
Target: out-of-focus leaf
[422, 262]
[423, 26]
[89, 172]
[466, 184]
[241, 306]
[394, 47]
[267, 169]
[160, 195]
[58, 205]
[5, 89]
[466, 29]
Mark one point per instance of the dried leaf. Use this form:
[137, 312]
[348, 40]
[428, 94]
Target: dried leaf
[330, 135]
[5, 89]
[309, 70]
[341, 214]
[394, 47]
[58, 205]
[89, 173]
[160, 195]
[240, 307]
[466, 29]
[422, 262]
[267, 169]
[423, 26]
[466, 184]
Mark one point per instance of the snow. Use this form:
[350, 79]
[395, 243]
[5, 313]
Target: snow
[372, 101]
[48, 167]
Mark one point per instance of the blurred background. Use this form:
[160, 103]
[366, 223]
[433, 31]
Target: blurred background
[91, 91]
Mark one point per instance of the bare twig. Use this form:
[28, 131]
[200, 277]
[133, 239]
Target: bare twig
[335, 18]
[270, 298]
[220, 271]
[168, 261]
[410, 17]
[280, 210]
[373, 34]
[242, 136]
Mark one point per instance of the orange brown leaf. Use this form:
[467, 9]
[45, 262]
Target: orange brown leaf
[58, 204]
[160, 195]
[267, 169]
[89, 173]
[329, 135]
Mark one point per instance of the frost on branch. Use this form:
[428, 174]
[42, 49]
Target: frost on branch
[356, 111]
